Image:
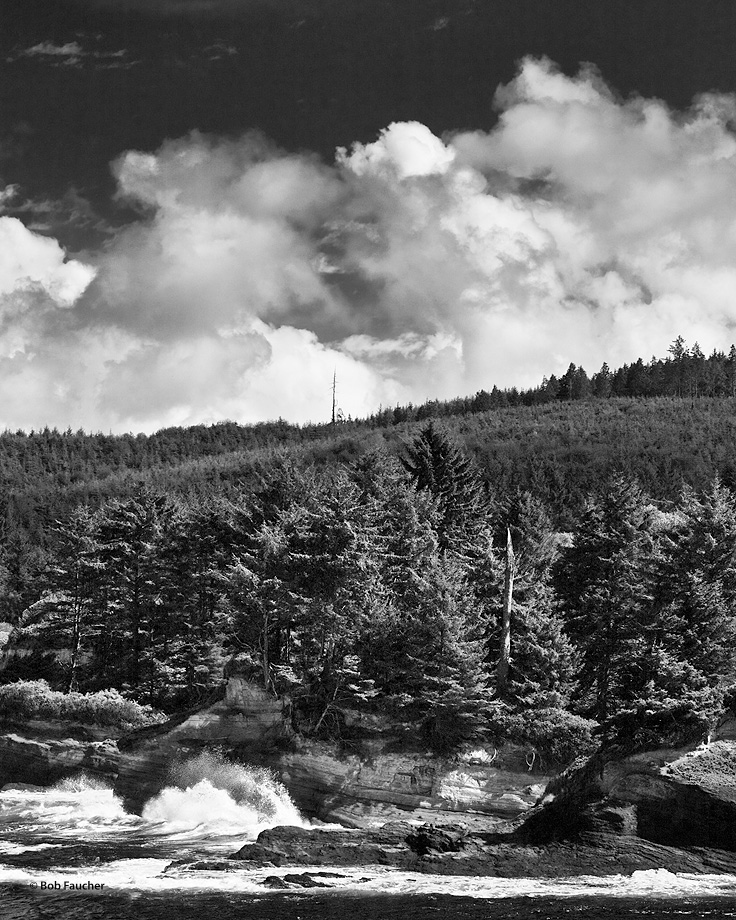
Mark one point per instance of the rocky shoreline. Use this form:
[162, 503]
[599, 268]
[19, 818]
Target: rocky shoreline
[612, 814]
[377, 780]
[487, 814]
[453, 850]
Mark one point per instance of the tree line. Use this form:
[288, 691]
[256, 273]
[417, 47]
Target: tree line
[686, 373]
[382, 584]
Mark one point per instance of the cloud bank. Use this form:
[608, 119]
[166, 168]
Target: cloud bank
[581, 228]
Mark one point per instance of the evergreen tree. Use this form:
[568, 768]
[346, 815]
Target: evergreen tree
[190, 623]
[542, 665]
[698, 578]
[439, 673]
[68, 615]
[602, 586]
[127, 537]
[436, 464]
[601, 382]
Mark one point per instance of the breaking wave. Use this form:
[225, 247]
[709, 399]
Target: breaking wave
[78, 831]
[212, 793]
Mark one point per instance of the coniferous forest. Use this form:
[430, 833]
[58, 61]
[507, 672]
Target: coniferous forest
[551, 565]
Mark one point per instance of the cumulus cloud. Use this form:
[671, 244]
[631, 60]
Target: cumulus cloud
[581, 228]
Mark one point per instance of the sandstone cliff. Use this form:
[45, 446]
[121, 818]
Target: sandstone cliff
[679, 797]
[378, 780]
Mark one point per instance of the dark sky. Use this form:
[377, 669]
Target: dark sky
[313, 74]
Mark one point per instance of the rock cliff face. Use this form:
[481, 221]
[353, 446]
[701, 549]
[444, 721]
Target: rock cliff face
[247, 720]
[681, 798]
[379, 785]
[673, 809]
[616, 812]
[27, 755]
[372, 785]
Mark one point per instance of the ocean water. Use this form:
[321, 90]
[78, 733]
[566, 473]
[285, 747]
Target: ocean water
[73, 852]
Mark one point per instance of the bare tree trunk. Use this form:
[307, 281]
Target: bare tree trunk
[504, 655]
[76, 646]
[266, 664]
[76, 633]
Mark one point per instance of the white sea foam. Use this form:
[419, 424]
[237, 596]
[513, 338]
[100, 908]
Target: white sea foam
[12, 849]
[214, 811]
[214, 797]
[206, 816]
[156, 875]
[71, 807]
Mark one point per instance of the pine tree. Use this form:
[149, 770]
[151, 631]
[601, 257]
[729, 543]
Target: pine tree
[698, 576]
[436, 464]
[602, 586]
[68, 615]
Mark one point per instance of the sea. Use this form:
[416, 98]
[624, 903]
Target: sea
[72, 851]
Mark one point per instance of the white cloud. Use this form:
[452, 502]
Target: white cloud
[404, 148]
[49, 49]
[581, 228]
[32, 262]
[70, 54]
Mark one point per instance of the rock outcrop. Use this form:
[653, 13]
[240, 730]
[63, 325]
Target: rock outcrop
[247, 722]
[622, 806]
[376, 784]
[681, 798]
[615, 813]
[31, 754]
[454, 850]
[379, 780]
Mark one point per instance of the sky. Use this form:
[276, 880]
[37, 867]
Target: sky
[208, 207]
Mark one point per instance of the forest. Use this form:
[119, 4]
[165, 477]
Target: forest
[549, 571]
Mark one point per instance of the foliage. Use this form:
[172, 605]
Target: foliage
[436, 464]
[556, 735]
[34, 699]
[360, 566]
[602, 589]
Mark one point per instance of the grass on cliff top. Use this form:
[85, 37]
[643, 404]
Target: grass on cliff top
[712, 766]
[25, 700]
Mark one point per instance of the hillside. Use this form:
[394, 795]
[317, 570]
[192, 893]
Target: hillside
[557, 450]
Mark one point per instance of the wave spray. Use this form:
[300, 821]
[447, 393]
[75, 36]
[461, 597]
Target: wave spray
[215, 796]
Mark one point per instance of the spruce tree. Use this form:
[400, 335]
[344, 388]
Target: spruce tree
[603, 590]
[128, 542]
[68, 614]
[698, 577]
[190, 625]
[436, 464]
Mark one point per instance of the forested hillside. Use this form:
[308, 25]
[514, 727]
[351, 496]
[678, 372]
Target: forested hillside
[366, 565]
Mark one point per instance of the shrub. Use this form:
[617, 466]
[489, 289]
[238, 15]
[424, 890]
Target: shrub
[662, 722]
[557, 735]
[34, 699]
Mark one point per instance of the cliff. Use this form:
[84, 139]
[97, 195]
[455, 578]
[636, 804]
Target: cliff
[486, 812]
[377, 780]
[680, 797]
[615, 813]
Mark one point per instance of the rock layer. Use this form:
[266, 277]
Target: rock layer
[370, 785]
[681, 798]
